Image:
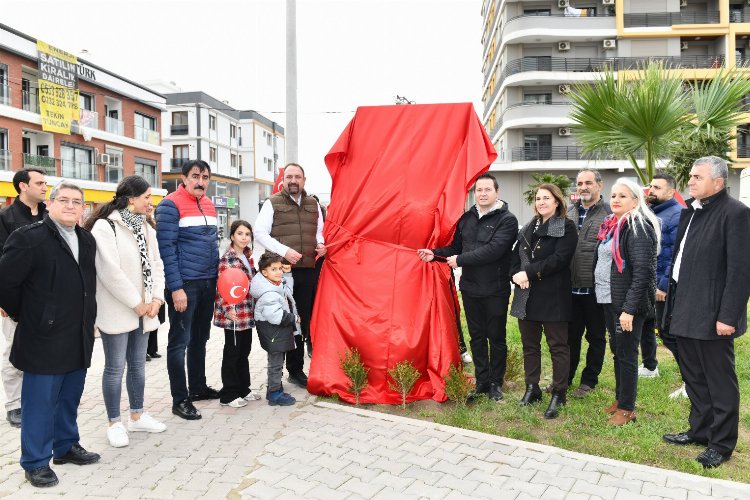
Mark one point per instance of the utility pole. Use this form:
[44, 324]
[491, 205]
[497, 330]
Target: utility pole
[291, 139]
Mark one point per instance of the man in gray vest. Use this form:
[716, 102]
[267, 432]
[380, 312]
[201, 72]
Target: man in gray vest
[290, 224]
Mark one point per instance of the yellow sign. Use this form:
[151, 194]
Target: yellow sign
[58, 88]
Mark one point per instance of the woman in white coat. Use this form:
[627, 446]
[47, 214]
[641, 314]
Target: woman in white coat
[129, 292]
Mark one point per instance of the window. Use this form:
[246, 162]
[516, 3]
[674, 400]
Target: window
[269, 164]
[147, 169]
[240, 161]
[145, 128]
[537, 147]
[113, 171]
[233, 161]
[86, 101]
[4, 153]
[145, 122]
[4, 87]
[180, 154]
[269, 136]
[212, 122]
[232, 131]
[77, 162]
[180, 118]
[212, 155]
[537, 98]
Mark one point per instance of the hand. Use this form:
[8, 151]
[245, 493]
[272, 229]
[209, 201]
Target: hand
[141, 309]
[321, 250]
[521, 279]
[626, 322]
[293, 256]
[153, 309]
[722, 329]
[3, 313]
[425, 254]
[661, 296]
[179, 300]
[452, 261]
[232, 315]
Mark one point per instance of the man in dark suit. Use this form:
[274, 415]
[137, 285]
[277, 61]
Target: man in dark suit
[49, 287]
[708, 308]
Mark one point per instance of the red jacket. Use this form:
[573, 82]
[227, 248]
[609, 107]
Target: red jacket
[243, 310]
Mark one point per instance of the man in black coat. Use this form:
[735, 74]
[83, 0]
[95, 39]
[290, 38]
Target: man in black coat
[481, 247]
[708, 308]
[49, 288]
[27, 208]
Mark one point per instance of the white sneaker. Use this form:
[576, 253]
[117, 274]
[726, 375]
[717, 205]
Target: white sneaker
[644, 372]
[466, 358]
[237, 403]
[146, 423]
[252, 396]
[117, 435]
[679, 393]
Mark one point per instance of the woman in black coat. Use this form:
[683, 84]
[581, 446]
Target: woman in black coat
[542, 301]
[625, 284]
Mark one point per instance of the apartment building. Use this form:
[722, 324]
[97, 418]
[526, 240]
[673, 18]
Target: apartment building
[243, 148]
[116, 135]
[533, 51]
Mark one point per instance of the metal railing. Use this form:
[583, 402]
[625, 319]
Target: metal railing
[178, 130]
[145, 135]
[46, 163]
[30, 101]
[670, 18]
[736, 16]
[78, 170]
[114, 126]
[743, 151]
[5, 94]
[5, 159]
[560, 153]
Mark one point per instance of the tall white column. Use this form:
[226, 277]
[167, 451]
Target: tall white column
[291, 134]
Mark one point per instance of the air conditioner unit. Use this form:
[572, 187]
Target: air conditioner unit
[104, 159]
[609, 44]
[563, 3]
[684, 45]
[564, 131]
[564, 88]
[563, 46]
[683, 3]
[608, 2]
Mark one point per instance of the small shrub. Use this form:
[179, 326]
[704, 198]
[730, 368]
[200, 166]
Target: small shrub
[514, 365]
[458, 385]
[354, 369]
[404, 374]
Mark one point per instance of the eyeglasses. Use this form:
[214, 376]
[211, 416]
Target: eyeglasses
[66, 201]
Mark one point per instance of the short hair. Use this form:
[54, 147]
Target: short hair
[25, 176]
[597, 175]
[718, 166]
[487, 175]
[295, 165]
[671, 182]
[199, 164]
[562, 207]
[238, 224]
[267, 259]
[65, 184]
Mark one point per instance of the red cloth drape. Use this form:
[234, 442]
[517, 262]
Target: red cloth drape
[400, 176]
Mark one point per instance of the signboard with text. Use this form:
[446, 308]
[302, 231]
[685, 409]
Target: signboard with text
[58, 88]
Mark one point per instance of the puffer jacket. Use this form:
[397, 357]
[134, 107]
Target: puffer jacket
[581, 268]
[275, 315]
[669, 216]
[186, 231]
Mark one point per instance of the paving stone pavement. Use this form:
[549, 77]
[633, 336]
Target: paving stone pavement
[326, 451]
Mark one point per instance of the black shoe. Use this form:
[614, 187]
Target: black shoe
[42, 477]
[78, 456]
[710, 458]
[298, 378]
[14, 417]
[148, 357]
[681, 439]
[205, 394]
[185, 409]
[557, 401]
[496, 393]
[479, 390]
[154, 355]
[308, 344]
[532, 395]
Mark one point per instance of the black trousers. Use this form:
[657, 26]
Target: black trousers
[707, 367]
[485, 317]
[305, 284]
[624, 347]
[648, 345]
[588, 316]
[153, 343]
[235, 367]
[556, 333]
[669, 340]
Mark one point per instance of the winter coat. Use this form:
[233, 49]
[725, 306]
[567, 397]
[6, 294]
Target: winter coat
[275, 320]
[243, 310]
[119, 276]
[669, 216]
[51, 296]
[186, 231]
[714, 280]
[17, 215]
[581, 267]
[548, 270]
[483, 246]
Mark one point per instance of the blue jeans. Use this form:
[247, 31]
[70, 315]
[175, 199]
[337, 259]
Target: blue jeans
[49, 407]
[119, 349]
[188, 332]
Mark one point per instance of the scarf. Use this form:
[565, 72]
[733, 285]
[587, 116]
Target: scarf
[135, 223]
[611, 228]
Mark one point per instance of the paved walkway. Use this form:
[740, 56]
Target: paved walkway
[321, 450]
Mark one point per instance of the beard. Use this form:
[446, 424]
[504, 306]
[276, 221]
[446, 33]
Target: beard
[653, 200]
[585, 196]
[293, 188]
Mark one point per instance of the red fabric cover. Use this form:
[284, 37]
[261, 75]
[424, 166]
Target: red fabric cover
[400, 177]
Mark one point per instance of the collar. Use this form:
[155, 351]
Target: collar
[664, 205]
[497, 206]
[182, 191]
[41, 207]
[708, 202]
[302, 196]
[598, 202]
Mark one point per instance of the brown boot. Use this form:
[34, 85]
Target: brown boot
[622, 417]
[611, 409]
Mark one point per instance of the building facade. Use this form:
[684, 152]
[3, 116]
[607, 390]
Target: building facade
[117, 134]
[533, 51]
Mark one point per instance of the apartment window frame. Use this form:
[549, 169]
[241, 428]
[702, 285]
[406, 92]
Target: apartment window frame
[233, 160]
[117, 167]
[547, 98]
[145, 120]
[212, 154]
[179, 117]
[87, 101]
[146, 168]
[212, 122]
[232, 131]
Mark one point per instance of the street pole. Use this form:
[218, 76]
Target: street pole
[291, 83]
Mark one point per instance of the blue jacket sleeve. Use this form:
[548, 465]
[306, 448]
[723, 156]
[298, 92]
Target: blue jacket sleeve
[669, 236]
[167, 232]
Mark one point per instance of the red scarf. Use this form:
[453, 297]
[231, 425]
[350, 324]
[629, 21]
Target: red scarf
[611, 227]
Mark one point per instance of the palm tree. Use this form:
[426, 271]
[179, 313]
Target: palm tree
[560, 181]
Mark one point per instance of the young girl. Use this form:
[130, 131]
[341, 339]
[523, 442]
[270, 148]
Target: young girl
[237, 321]
[277, 322]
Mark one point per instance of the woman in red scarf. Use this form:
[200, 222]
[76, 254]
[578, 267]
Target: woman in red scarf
[625, 284]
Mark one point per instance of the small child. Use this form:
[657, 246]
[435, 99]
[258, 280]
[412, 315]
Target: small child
[276, 321]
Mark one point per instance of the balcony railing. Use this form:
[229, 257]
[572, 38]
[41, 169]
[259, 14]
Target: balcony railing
[743, 151]
[78, 170]
[146, 135]
[670, 18]
[178, 130]
[46, 163]
[30, 101]
[5, 159]
[114, 126]
[737, 16]
[560, 153]
[5, 94]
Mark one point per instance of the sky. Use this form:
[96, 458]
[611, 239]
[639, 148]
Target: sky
[350, 53]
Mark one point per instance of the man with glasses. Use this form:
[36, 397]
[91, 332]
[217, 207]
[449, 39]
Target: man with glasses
[49, 288]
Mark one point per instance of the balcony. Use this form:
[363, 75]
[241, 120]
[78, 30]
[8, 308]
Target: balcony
[46, 163]
[670, 18]
[78, 170]
[178, 130]
[527, 28]
[537, 113]
[559, 153]
[114, 126]
[30, 101]
[743, 151]
[738, 16]
[5, 94]
[5, 159]
[146, 135]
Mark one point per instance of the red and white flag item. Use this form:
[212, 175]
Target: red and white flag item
[279, 185]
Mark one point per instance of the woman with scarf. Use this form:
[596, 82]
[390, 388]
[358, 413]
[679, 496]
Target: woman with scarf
[129, 293]
[625, 284]
[542, 301]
